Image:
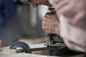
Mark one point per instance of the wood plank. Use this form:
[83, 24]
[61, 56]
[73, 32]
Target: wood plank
[33, 55]
[21, 55]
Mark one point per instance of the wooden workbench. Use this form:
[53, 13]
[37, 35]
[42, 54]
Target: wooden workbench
[6, 52]
[20, 55]
[32, 55]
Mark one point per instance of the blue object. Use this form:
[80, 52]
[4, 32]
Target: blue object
[7, 11]
[22, 45]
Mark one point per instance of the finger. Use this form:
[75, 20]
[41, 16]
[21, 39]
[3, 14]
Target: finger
[51, 21]
[46, 19]
[50, 15]
[51, 29]
[47, 15]
[47, 29]
[44, 23]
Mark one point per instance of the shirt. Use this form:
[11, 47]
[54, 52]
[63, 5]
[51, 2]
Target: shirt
[7, 11]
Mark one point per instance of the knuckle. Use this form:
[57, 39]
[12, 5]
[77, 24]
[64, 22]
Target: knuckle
[44, 19]
[47, 14]
[43, 27]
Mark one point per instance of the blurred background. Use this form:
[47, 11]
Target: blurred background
[26, 23]
[21, 22]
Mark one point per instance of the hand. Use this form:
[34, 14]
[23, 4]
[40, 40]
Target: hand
[51, 23]
[35, 3]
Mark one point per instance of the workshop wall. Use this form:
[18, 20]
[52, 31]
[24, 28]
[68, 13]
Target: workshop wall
[31, 22]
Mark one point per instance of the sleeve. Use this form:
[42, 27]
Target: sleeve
[73, 30]
[73, 36]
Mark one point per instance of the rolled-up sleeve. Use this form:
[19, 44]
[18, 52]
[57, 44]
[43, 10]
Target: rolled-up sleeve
[74, 36]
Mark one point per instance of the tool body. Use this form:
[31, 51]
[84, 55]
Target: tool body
[36, 47]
